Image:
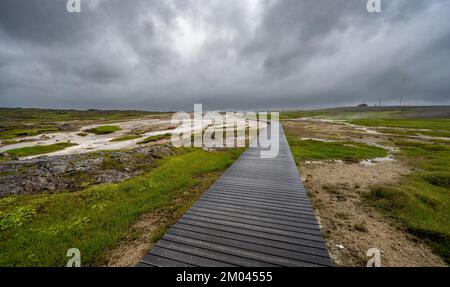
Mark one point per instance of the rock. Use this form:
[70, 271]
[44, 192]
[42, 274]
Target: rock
[340, 247]
[4, 156]
[67, 128]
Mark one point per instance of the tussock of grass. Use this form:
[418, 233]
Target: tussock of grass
[125, 138]
[349, 152]
[103, 130]
[35, 150]
[438, 179]
[95, 220]
[155, 138]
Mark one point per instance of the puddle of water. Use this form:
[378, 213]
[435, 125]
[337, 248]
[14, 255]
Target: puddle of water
[373, 161]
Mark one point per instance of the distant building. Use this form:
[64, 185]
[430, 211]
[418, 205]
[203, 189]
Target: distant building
[362, 106]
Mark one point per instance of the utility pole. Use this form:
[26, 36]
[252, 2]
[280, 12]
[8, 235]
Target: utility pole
[379, 102]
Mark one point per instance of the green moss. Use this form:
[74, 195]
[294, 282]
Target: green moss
[16, 217]
[103, 130]
[155, 138]
[35, 150]
[347, 151]
[125, 138]
[14, 133]
[8, 142]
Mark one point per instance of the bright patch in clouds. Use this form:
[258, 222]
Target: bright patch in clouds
[188, 38]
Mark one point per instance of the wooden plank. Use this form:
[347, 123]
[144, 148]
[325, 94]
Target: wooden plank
[250, 246]
[150, 260]
[252, 238]
[261, 234]
[308, 229]
[210, 256]
[249, 204]
[233, 214]
[245, 256]
[307, 216]
[247, 226]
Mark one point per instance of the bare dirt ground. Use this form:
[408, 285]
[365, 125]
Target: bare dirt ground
[336, 189]
[350, 226]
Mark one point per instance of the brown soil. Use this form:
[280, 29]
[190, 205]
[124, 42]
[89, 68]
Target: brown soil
[132, 249]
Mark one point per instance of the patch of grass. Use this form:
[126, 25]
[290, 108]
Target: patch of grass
[422, 201]
[125, 138]
[16, 218]
[15, 133]
[436, 125]
[110, 163]
[68, 220]
[43, 149]
[361, 227]
[103, 130]
[155, 138]
[82, 134]
[9, 142]
[352, 113]
[347, 151]
[413, 132]
[438, 179]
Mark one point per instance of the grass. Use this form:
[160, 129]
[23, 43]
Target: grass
[43, 149]
[422, 201]
[347, 151]
[103, 130]
[15, 133]
[155, 138]
[8, 142]
[125, 138]
[436, 125]
[352, 113]
[37, 230]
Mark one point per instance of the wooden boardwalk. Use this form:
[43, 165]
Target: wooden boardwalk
[256, 214]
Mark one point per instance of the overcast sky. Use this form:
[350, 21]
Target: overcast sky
[226, 54]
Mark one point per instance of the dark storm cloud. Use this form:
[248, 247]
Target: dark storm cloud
[226, 54]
